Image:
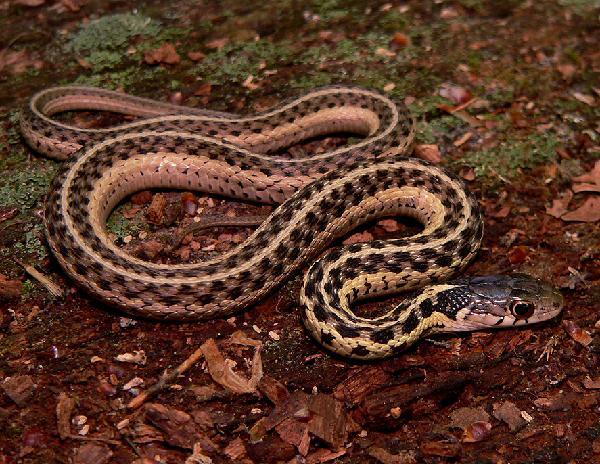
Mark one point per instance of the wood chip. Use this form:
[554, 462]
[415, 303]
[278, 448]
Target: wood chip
[64, 410]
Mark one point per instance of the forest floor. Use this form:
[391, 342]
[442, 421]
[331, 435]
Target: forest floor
[507, 95]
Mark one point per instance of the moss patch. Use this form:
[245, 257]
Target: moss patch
[509, 157]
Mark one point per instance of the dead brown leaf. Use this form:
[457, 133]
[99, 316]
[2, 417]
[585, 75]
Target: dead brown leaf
[429, 152]
[577, 333]
[567, 71]
[456, 94]
[592, 384]
[477, 431]
[204, 90]
[217, 43]
[165, 54]
[560, 204]
[196, 56]
[399, 40]
[589, 211]
[584, 98]
[221, 369]
[592, 177]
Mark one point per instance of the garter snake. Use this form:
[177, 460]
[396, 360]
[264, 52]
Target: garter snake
[321, 197]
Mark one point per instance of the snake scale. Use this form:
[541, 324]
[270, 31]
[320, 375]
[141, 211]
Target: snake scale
[321, 198]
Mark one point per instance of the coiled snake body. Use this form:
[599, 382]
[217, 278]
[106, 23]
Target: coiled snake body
[322, 197]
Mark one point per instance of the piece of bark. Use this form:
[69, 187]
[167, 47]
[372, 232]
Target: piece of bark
[92, 453]
[64, 410]
[359, 384]
[178, 427]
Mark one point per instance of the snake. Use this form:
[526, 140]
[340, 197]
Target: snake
[321, 198]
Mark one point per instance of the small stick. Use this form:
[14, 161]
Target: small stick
[100, 439]
[53, 288]
[166, 378]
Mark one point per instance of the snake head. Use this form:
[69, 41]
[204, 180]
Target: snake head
[501, 301]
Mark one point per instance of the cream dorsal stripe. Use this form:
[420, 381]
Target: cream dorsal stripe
[321, 196]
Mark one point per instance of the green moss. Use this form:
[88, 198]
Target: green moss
[23, 187]
[393, 21]
[236, 61]
[444, 126]
[125, 78]
[102, 60]
[29, 288]
[580, 6]
[112, 32]
[507, 158]
[310, 81]
[31, 245]
[120, 226]
[330, 10]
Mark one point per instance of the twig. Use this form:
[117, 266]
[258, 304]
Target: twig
[166, 378]
[53, 288]
[100, 439]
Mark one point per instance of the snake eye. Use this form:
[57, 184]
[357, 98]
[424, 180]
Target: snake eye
[522, 310]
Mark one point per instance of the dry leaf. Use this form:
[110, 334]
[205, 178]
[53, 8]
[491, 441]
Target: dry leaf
[196, 56]
[400, 40]
[559, 205]
[591, 384]
[567, 70]
[456, 94]
[217, 43]
[463, 139]
[429, 152]
[477, 431]
[588, 212]
[584, 98]
[592, 177]
[385, 52]
[221, 370]
[166, 54]
[577, 333]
